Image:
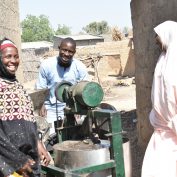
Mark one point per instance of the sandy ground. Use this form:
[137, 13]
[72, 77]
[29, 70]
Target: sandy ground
[123, 98]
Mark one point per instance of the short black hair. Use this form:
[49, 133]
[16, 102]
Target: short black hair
[68, 40]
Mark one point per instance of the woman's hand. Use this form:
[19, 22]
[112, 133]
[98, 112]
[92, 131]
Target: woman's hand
[26, 169]
[44, 154]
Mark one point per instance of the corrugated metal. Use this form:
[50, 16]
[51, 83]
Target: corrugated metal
[80, 37]
[36, 45]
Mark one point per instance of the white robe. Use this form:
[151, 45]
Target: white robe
[160, 159]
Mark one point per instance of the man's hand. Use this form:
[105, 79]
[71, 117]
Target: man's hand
[43, 111]
[44, 154]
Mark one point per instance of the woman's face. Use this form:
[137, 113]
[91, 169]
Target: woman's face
[159, 42]
[10, 59]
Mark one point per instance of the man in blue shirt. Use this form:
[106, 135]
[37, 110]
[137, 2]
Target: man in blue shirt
[57, 69]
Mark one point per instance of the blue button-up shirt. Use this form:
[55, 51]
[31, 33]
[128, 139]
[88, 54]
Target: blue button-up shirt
[51, 73]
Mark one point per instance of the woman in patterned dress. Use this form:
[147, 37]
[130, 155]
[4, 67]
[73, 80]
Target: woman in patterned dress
[20, 148]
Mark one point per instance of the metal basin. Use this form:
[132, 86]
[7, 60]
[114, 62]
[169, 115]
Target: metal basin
[74, 154]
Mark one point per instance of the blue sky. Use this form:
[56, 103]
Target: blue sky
[76, 14]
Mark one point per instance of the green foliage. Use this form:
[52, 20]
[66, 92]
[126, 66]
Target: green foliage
[63, 30]
[97, 28]
[36, 29]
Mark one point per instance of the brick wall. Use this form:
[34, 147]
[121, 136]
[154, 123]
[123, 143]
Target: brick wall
[117, 57]
[31, 59]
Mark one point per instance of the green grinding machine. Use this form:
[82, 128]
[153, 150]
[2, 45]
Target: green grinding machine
[88, 125]
[81, 97]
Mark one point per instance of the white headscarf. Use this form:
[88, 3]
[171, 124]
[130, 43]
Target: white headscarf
[164, 89]
[167, 31]
[7, 43]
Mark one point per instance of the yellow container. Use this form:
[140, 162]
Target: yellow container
[15, 175]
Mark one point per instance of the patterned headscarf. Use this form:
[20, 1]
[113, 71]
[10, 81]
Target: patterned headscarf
[7, 43]
[4, 73]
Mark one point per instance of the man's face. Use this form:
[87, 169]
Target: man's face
[66, 52]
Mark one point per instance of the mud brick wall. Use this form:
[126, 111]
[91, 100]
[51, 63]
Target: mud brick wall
[117, 57]
[126, 55]
[31, 62]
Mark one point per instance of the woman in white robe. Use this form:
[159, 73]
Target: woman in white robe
[160, 158]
